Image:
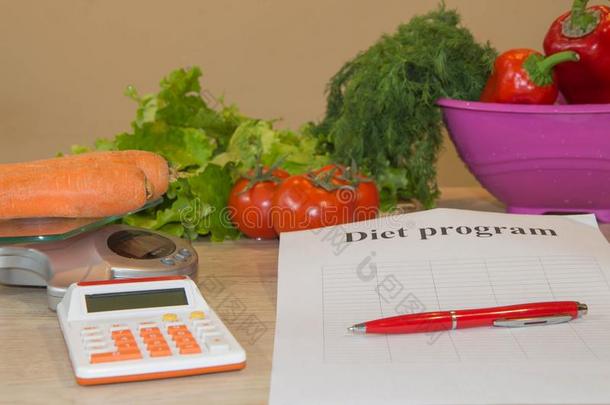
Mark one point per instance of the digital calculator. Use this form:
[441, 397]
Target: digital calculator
[141, 329]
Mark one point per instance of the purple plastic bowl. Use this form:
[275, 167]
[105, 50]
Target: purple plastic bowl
[536, 159]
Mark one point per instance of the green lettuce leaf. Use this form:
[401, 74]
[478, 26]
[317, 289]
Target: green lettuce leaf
[182, 147]
[256, 140]
[211, 190]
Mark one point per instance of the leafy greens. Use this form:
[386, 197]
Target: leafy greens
[207, 150]
[381, 105]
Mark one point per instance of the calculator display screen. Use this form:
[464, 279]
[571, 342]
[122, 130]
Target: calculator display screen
[135, 300]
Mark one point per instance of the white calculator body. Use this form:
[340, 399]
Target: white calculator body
[141, 329]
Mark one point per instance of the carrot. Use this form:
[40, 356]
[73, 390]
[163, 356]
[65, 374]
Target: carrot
[153, 165]
[63, 187]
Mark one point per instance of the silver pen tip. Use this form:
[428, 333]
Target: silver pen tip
[358, 328]
[582, 309]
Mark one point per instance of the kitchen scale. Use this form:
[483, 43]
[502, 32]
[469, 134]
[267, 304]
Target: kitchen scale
[57, 252]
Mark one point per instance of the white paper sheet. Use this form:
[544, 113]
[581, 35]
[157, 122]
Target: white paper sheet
[441, 260]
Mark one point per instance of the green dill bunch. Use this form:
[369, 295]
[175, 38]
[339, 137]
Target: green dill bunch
[381, 108]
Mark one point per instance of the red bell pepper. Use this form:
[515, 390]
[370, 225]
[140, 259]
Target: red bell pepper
[524, 76]
[586, 31]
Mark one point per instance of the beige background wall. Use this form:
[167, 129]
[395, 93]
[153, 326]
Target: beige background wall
[64, 63]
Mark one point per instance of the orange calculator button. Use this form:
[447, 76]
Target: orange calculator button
[190, 349]
[158, 348]
[180, 334]
[146, 331]
[185, 342]
[152, 337]
[176, 328]
[156, 343]
[114, 356]
[126, 346]
[160, 351]
[128, 350]
[125, 332]
[124, 339]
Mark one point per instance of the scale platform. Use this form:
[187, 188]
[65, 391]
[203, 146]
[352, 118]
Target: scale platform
[39, 230]
[57, 252]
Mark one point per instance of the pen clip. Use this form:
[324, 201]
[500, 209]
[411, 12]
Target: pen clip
[521, 322]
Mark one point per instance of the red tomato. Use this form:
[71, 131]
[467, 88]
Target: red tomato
[367, 201]
[250, 210]
[338, 171]
[301, 204]
[367, 195]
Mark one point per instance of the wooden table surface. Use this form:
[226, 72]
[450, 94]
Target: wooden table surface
[238, 279]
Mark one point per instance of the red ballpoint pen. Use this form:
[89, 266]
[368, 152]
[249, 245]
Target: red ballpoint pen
[537, 313]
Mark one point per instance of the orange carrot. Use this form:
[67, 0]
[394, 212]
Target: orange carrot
[63, 187]
[153, 165]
